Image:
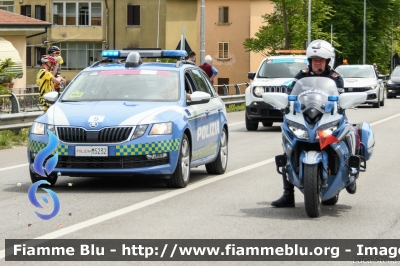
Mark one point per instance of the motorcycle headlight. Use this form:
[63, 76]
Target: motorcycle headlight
[298, 130]
[328, 128]
[139, 131]
[38, 128]
[258, 91]
[161, 129]
[390, 82]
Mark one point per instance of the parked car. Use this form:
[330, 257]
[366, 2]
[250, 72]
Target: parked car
[125, 117]
[363, 78]
[393, 84]
[274, 74]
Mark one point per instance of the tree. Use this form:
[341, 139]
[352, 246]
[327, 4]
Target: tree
[286, 27]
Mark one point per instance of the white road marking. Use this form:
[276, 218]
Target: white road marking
[140, 205]
[15, 166]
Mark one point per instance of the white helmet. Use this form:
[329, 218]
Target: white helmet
[321, 49]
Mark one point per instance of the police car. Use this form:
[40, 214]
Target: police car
[124, 116]
[274, 74]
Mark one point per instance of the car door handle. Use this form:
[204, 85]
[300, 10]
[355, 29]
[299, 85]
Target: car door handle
[207, 112]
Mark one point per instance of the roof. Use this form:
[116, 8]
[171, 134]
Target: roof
[14, 20]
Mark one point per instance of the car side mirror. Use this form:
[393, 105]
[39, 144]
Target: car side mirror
[198, 97]
[51, 97]
[251, 75]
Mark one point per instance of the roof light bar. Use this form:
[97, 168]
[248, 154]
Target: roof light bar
[145, 53]
[111, 53]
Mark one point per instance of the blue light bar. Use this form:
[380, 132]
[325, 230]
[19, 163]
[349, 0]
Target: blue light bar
[292, 98]
[333, 98]
[174, 53]
[110, 53]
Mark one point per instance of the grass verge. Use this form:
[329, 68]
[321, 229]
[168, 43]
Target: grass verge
[12, 138]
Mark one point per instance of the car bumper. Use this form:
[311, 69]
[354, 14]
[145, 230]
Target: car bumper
[263, 112]
[147, 156]
[393, 90]
[372, 95]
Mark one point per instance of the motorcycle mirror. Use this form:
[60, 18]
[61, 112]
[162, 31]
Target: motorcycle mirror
[328, 107]
[297, 106]
[292, 98]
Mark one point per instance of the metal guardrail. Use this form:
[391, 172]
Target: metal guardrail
[18, 121]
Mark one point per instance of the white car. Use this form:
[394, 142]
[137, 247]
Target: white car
[274, 74]
[363, 78]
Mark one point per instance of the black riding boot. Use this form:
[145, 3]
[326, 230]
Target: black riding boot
[287, 199]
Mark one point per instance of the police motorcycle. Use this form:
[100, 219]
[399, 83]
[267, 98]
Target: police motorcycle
[323, 152]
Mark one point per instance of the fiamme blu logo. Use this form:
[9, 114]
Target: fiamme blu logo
[43, 165]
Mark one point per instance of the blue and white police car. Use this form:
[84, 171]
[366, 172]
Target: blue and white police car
[124, 116]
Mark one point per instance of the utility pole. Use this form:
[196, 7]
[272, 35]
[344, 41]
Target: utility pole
[309, 22]
[391, 51]
[202, 41]
[365, 31]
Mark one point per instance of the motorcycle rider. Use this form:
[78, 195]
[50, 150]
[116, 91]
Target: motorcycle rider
[319, 54]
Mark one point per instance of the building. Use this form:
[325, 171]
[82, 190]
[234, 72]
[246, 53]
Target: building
[82, 29]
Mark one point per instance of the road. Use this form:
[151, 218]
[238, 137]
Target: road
[235, 205]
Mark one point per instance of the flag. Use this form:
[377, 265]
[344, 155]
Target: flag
[326, 139]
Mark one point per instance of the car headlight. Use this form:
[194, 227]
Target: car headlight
[38, 128]
[258, 91]
[139, 131]
[390, 82]
[298, 130]
[328, 128]
[161, 129]
[370, 87]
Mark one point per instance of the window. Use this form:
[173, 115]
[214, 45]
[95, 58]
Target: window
[40, 12]
[39, 51]
[79, 55]
[26, 11]
[199, 79]
[223, 50]
[7, 5]
[77, 13]
[133, 15]
[28, 56]
[223, 14]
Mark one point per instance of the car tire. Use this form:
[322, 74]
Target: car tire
[267, 124]
[250, 126]
[180, 177]
[218, 166]
[378, 104]
[382, 103]
[52, 179]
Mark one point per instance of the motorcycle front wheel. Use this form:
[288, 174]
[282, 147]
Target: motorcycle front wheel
[312, 190]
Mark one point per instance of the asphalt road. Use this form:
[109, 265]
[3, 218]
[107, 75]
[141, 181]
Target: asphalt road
[235, 205]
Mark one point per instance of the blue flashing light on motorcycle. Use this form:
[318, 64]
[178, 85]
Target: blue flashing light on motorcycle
[322, 152]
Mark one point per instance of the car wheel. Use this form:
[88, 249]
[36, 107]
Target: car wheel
[180, 177]
[267, 124]
[218, 166]
[382, 103]
[250, 126]
[378, 103]
[52, 179]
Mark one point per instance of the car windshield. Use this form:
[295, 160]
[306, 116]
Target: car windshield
[395, 73]
[281, 68]
[314, 91]
[124, 85]
[355, 72]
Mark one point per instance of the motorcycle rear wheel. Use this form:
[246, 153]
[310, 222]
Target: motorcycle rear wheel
[312, 190]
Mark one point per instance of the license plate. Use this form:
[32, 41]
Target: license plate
[91, 151]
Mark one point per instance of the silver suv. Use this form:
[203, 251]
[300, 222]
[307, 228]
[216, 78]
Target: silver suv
[274, 74]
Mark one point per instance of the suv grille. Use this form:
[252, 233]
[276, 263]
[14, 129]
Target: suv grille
[105, 135]
[283, 89]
